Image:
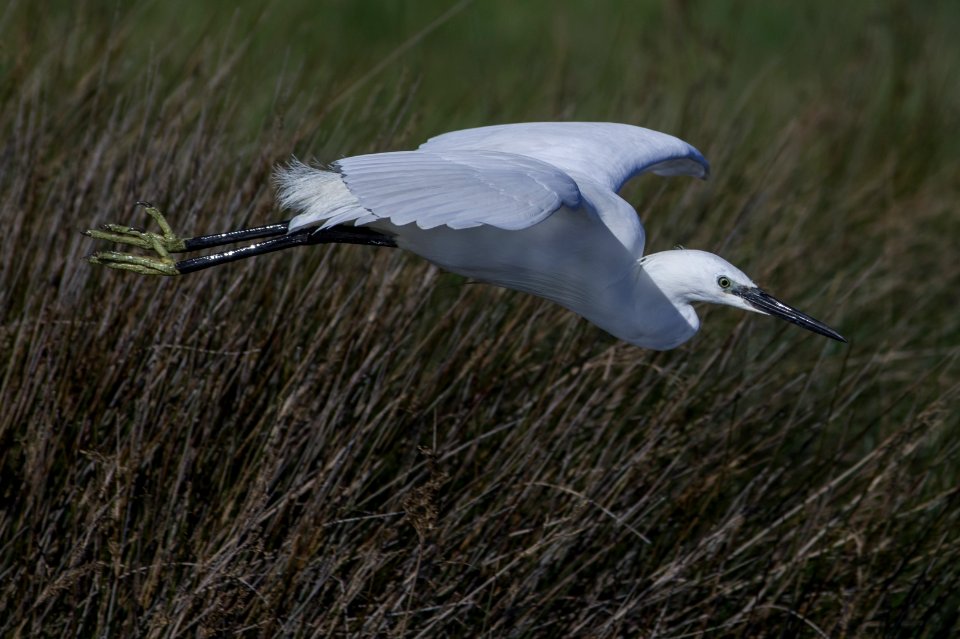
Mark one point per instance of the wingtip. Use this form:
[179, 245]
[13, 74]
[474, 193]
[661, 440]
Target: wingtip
[700, 159]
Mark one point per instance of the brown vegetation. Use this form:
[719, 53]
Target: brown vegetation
[347, 442]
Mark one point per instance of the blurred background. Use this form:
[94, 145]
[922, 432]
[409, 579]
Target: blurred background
[341, 441]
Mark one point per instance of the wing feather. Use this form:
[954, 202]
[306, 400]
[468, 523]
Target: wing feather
[606, 152]
[509, 176]
[459, 189]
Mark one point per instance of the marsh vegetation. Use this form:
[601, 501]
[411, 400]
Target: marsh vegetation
[347, 442]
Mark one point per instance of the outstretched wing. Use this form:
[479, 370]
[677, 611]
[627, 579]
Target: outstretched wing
[458, 189]
[510, 176]
[605, 152]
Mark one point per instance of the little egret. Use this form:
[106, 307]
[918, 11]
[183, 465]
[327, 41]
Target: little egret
[532, 207]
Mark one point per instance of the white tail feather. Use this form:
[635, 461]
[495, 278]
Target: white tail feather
[320, 197]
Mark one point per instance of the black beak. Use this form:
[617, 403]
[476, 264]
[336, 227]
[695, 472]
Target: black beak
[768, 304]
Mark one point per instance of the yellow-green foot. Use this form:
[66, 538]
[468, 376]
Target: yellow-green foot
[162, 244]
[135, 263]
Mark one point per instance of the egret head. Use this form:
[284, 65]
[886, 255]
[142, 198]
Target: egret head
[697, 276]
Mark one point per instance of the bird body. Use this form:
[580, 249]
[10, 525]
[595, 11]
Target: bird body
[531, 207]
[591, 274]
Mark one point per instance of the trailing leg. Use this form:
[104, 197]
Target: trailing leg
[303, 237]
[166, 242]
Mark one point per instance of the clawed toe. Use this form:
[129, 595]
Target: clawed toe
[123, 229]
[162, 244]
[137, 263]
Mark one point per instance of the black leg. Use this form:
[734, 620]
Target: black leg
[231, 237]
[336, 234]
[342, 234]
[166, 266]
[167, 242]
[332, 235]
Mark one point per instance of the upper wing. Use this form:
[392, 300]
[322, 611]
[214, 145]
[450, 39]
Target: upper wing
[607, 153]
[459, 189]
[510, 176]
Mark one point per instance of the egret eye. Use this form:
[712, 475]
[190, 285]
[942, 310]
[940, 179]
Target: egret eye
[724, 282]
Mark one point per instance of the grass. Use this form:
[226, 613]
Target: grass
[344, 441]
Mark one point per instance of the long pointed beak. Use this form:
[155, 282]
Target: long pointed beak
[766, 303]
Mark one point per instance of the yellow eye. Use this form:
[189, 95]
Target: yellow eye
[724, 282]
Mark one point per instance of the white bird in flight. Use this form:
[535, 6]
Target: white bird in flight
[531, 207]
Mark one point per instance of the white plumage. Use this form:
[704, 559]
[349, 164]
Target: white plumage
[534, 207]
[509, 176]
[605, 152]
